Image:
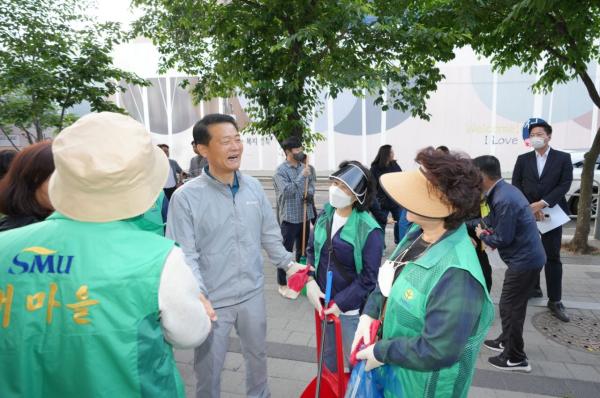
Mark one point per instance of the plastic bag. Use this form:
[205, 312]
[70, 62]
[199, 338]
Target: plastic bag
[364, 384]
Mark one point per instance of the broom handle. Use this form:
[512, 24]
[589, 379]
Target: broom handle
[305, 211]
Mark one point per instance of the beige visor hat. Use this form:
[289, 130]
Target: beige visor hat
[107, 169]
[413, 191]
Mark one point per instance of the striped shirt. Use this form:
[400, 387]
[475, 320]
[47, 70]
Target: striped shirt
[289, 189]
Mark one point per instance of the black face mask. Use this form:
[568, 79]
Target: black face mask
[299, 157]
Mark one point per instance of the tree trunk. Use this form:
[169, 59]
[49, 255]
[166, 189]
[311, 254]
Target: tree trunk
[9, 139]
[579, 244]
[38, 131]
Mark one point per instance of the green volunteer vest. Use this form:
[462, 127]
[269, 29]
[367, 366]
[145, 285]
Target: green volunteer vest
[356, 231]
[79, 312]
[152, 220]
[405, 316]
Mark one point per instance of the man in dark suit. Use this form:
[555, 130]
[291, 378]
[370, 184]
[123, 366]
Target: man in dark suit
[544, 176]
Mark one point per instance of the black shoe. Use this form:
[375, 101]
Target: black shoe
[558, 310]
[536, 293]
[503, 363]
[494, 345]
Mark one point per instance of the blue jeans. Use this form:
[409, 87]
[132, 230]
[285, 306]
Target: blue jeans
[349, 324]
[403, 226]
[396, 213]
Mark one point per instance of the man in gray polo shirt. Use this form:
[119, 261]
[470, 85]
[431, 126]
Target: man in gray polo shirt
[221, 220]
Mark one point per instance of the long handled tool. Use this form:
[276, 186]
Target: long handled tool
[304, 220]
[304, 224]
[323, 325]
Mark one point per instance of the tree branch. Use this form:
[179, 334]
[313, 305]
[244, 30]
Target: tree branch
[63, 110]
[9, 139]
[27, 134]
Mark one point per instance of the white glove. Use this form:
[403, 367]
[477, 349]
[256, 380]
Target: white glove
[314, 295]
[363, 330]
[369, 355]
[294, 267]
[333, 310]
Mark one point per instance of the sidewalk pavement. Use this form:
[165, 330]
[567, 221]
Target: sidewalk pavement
[559, 370]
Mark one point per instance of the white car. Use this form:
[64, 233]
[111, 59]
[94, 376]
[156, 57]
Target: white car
[573, 193]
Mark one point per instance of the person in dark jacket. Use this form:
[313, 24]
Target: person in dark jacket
[385, 163]
[176, 175]
[24, 189]
[511, 229]
[6, 157]
[544, 176]
[356, 242]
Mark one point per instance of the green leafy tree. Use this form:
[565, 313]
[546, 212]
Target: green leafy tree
[553, 39]
[53, 57]
[281, 54]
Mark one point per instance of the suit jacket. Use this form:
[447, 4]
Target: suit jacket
[554, 182]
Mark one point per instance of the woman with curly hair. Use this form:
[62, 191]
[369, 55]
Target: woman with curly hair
[431, 296]
[24, 189]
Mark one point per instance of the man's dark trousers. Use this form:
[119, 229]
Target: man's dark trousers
[513, 307]
[292, 236]
[553, 268]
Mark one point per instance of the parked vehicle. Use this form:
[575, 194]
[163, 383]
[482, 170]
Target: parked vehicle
[573, 194]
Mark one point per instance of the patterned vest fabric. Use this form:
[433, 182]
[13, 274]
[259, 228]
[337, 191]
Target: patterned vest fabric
[79, 312]
[405, 316]
[152, 220]
[356, 231]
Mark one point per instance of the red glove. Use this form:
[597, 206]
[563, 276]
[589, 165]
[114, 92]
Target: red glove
[297, 281]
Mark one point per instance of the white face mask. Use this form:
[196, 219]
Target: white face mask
[537, 142]
[338, 198]
[385, 277]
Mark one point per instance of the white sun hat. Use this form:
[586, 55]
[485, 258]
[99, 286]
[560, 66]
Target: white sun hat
[107, 169]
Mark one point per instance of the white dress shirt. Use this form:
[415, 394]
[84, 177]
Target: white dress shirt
[541, 160]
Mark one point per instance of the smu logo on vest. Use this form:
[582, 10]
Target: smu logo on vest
[41, 260]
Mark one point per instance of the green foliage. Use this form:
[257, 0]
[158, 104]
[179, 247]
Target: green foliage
[555, 40]
[52, 57]
[281, 54]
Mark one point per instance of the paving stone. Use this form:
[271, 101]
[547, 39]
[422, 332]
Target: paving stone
[278, 336]
[190, 391]
[583, 372]
[554, 369]
[578, 389]
[301, 325]
[229, 395]
[233, 382]
[556, 353]
[276, 323]
[187, 374]
[478, 392]
[281, 388]
[584, 358]
[234, 362]
[184, 356]
[513, 394]
[299, 338]
[285, 369]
